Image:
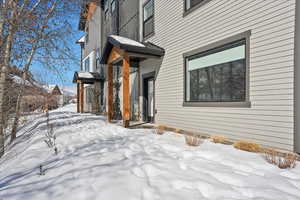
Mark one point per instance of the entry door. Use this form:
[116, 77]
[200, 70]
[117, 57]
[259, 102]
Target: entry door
[148, 99]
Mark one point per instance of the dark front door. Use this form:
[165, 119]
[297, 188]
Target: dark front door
[148, 99]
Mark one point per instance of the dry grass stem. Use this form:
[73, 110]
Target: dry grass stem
[178, 130]
[193, 140]
[247, 146]
[161, 130]
[283, 162]
[221, 140]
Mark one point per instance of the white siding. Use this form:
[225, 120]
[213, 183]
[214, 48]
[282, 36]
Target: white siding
[94, 25]
[269, 121]
[90, 49]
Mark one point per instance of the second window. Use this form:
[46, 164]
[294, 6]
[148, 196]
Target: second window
[148, 18]
[217, 75]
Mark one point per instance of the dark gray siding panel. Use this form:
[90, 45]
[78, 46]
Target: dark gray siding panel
[129, 19]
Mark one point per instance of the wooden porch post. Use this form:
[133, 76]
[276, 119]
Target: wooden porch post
[110, 92]
[81, 97]
[78, 97]
[126, 91]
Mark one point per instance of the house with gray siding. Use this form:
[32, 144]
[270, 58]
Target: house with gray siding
[91, 74]
[215, 67]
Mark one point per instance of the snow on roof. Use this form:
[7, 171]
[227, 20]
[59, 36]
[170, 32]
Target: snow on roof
[81, 40]
[127, 41]
[68, 90]
[19, 80]
[48, 88]
[85, 75]
[140, 50]
[51, 87]
[65, 90]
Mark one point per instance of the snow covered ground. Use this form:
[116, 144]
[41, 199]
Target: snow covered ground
[97, 160]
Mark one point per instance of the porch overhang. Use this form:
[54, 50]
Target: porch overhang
[119, 50]
[87, 77]
[135, 50]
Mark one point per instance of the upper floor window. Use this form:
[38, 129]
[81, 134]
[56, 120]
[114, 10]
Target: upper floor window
[87, 35]
[87, 65]
[148, 18]
[218, 74]
[98, 58]
[106, 9]
[113, 6]
[192, 3]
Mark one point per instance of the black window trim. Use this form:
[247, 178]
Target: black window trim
[87, 37]
[145, 37]
[245, 35]
[87, 61]
[188, 11]
[113, 1]
[106, 9]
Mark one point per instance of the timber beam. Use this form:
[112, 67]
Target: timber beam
[110, 92]
[126, 91]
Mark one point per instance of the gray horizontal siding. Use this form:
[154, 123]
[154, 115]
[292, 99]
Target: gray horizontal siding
[94, 33]
[269, 121]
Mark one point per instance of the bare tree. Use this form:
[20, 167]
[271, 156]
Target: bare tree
[4, 67]
[35, 43]
[33, 31]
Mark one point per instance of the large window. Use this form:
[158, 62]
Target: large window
[87, 34]
[217, 75]
[192, 3]
[98, 58]
[89, 95]
[148, 18]
[113, 6]
[106, 3]
[87, 64]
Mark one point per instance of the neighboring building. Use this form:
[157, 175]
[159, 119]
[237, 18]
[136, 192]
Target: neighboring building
[33, 94]
[58, 95]
[90, 78]
[217, 67]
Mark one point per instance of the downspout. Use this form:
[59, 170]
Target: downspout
[297, 80]
[118, 17]
[81, 50]
[103, 66]
[139, 21]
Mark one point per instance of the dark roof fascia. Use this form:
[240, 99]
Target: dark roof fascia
[105, 55]
[143, 50]
[156, 46]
